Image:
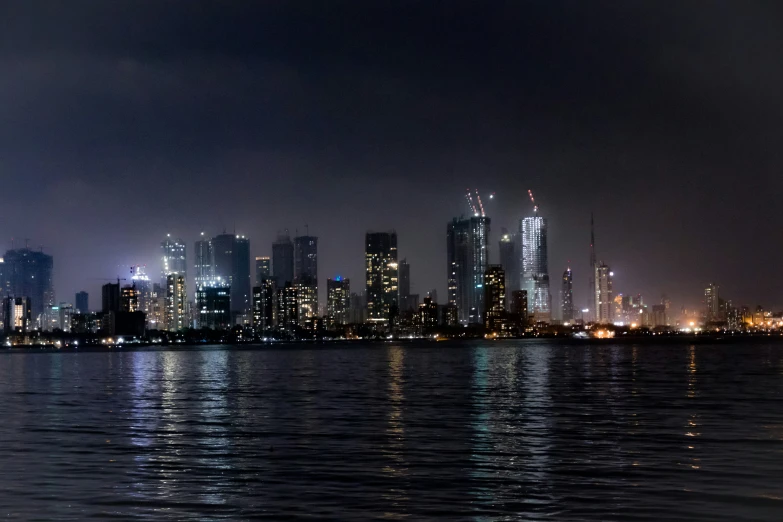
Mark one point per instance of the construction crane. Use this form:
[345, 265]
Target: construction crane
[476, 211]
[535, 207]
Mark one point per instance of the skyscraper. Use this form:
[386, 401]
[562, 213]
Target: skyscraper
[82, 302]
[110, 297]
[175, 317]
[29, 274]
[567, 297]
[283, 260]
[287, 310]
[509, 250]
[604, 299]
[204, 260]
[405, 285]
[381, 269]
[338, 301]
[306, 278]
[223, 258]
[263, 269]
[534, 262]
[494, 297]
[467, 250]
[144, 290]
[264, 305]
[213, 305]
[129, 299]
[174, 261]
[712, 303]
[240, 279]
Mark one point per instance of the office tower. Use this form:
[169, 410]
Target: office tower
[129, 299]
[338, 302]
[175, 317]
[519, 304]
[494, 296]
[204, 260]
[428, 313]
[358, 313]
[567, 297]
[381, 269]
[712, 303]
[287, 309]
[534, 262]
[110, 297]
[223, 257]
[467, 258]
[174, 261]
[82, 302]
[264, 309]
[450, 315]
[213, 305]
[283, 260]
[509, 249]
[156, 319]
[143, 285]
[306, 278]
[263, 269]
[16, 315]
[240, 279]
[405, 286]
[29, 274]
[57, 317]
[604, 304]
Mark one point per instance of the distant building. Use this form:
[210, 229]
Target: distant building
[338, 302]
[534, 262]
[110, 297]
[428, 313]
[405, 301]
[358, 311]
[174, 260]
[604, 304]
[519, 305]
[82, 302]
[494, 296]
[287, 309]
[58, 317]
[510, 253]
[175, 317]
[712, 303]
[567, 297]
[156, 317]
[129, 299]
[263, 269]
[29, 274]
[16, 315]
[144, 290]
[449, 315]
[240, 280]
[204, 261]
[213, 305]
[467, 253]
[264, 305]
[381, 269]
[283, 260]
[659, 315]
[306, 279]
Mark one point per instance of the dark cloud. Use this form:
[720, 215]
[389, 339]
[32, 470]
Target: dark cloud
[121, 121]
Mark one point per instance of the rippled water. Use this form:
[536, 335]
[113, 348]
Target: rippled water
[514, 431]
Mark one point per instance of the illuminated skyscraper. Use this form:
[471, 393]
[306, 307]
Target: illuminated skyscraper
[338, 302]
[264, 308]
[174, 261]
[263, 269]
[567, 297]
[204, 260]
[604, 299]
[381, 269]
[143, 286]
[175, 317]
[494, 296]
[29, 274]
[306, 278]
[509, 249]
[213, 305]
[240, 279]
[712, 303]
[405, 286]
[287, 309]
[283, 260]
[534, 262]
[467, 250]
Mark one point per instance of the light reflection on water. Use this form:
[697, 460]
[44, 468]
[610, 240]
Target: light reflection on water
[484, 431]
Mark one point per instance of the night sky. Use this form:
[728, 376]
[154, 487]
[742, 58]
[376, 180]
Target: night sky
[123, 121]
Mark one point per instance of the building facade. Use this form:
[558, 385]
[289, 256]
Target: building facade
[175, 314]
[283, 260]
[567, 297]
[604, 298]
[381, 270]
[494, 297]
[338, 302]
[467, 252]
[29, 274]
[509, 250]
[82, 302]
[263, 269]
[213, 305]
[534, 264]
[174, 257]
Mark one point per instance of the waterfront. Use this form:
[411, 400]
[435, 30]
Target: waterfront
[481, 430]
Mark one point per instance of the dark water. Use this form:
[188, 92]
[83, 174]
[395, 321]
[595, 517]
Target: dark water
[499, 431]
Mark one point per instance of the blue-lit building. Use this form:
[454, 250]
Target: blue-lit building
[534, 262]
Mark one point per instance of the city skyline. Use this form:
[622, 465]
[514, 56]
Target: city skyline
[322, 131]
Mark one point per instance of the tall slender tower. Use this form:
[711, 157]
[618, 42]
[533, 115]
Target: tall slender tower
[592, 293]
[534, 265]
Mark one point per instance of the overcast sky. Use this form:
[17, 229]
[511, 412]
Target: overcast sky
[123, 121]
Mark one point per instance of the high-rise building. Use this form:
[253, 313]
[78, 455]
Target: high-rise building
[509, 259]
[156, 318]
[287, 309]
[264, 309]
[712, 303]
[283, 260]
[467, 252]
[174, 260]
[16, 315]
[204, 260]
[223, 257]
[405, 286]
[567, 297]
[534, 262]
[110, 297]
[144, 290]
[428, 313]
[175, 316]
[129, 299]
[213, 305]
[381, 269]
[82, 302]
[240, 279]
[494, 296]
[659, 315]
[263, 269]
[519, 305]
[306, 278]
[604, 303]
[338, 302]
[57, 317]
[29, 274]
